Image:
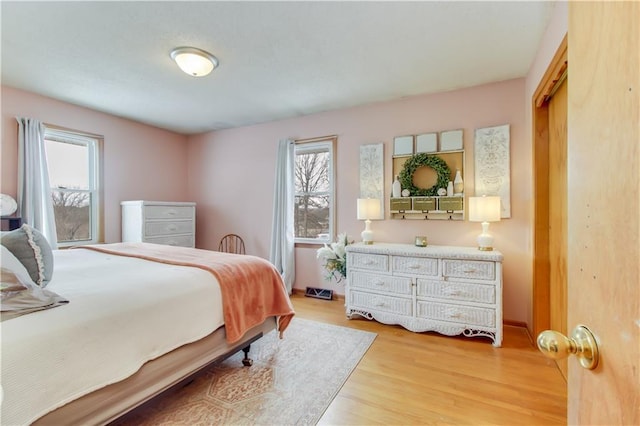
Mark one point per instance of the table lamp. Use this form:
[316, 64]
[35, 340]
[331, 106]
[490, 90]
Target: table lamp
[484, 209]
[368, 208]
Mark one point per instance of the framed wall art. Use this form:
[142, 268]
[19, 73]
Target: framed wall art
[403, 145]
[492, 165]
[427, 142]
[451, 140]
[372, 173]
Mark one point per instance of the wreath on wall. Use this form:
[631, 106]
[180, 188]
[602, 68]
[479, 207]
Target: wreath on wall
[424, 160]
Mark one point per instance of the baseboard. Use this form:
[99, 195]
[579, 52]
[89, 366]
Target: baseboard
[515, 323]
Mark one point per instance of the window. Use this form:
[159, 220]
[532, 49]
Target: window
[72, 160]
[314, 191]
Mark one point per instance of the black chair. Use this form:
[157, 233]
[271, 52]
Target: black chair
[231, 243]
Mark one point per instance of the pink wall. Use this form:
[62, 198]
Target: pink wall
[140, 162]
[231, 175]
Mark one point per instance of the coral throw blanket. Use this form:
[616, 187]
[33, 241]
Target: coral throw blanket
[252, 289]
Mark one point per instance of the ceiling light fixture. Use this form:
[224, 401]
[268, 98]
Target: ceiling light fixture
[193, 61]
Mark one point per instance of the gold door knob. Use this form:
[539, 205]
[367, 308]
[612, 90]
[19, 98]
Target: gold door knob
[582, 344]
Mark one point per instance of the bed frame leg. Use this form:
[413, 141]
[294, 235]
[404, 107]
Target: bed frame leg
[246, 361]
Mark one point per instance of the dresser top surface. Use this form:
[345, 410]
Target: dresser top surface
[158, 203]
[452, 252]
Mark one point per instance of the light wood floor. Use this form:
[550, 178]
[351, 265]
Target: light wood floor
[425, 378]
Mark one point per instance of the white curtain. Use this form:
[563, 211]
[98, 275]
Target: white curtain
[282, 236]
[34, 192]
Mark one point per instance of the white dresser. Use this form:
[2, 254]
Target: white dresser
[450, 290]
[160, 222]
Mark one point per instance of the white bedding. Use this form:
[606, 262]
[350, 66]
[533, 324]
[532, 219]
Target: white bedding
[122, 312]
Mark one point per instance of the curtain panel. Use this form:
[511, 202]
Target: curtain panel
[282, 253]
[34, 192]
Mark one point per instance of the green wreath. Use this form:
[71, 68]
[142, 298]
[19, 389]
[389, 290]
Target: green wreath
[424, 160]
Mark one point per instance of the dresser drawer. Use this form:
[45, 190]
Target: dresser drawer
[414, 265]
[371, 262]
[168, 212]
[168, 228]
[376, 302]
[467, 315]
[173, 240]
[384, 283]
[469, 292]
[477, 269]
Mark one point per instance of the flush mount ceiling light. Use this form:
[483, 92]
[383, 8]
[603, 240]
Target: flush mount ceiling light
[195, 62]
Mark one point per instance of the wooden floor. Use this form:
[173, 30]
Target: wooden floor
[425, 378]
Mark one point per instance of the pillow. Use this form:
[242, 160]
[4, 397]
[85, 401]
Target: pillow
[33, 251]
[19, 296]
[9, 261]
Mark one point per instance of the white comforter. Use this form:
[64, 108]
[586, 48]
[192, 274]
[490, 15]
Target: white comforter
[122, 312]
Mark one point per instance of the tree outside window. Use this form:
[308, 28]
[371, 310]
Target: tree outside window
[313, 216]
[72, 160]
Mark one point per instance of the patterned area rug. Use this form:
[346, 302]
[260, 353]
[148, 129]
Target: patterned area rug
[292, 381]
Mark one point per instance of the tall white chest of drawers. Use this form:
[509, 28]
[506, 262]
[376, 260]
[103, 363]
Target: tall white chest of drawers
[450, 290]
[160, 222]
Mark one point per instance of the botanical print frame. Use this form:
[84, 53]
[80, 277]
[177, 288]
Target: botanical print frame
[372, 173]
[451, 140]
[403, 145]
[427, 142]
[492, 165]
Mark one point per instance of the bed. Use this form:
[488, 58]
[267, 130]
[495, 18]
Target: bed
[140, 319]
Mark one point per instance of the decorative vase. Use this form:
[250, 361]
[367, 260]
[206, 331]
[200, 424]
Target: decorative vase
[396, 188]
[458, 184]
[450, 189]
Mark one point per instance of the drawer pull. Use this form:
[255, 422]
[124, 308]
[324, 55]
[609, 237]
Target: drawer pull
[414, 266]
[172, 227]
[470, 271]
[454, 314]
[171, 212]
[378, 283]
[379, 304]
[368, 262]
[452, 292]
[172, 243]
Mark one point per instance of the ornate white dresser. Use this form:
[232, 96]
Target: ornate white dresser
[450, 290]
[160, 222]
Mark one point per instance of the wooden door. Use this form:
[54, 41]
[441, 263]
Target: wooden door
[557, 109]
[603, 183]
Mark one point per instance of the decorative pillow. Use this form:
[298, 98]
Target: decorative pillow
[9, 261]
[20, 295]
[33, 251]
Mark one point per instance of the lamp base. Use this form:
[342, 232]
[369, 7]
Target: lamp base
[367, 234]
[485, 240]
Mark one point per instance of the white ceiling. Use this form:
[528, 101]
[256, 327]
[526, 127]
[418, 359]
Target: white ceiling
[277, 59]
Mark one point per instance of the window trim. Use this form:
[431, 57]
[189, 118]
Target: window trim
[308, 145]
[94, 146]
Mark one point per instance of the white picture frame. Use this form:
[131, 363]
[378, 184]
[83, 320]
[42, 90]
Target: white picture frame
[372, 173]
[492, 165]
[451, 140]
[427, 142]
[403, 145]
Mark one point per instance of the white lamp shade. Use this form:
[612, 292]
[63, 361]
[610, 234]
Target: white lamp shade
[484, 209]
[369, 208]
[193, 61]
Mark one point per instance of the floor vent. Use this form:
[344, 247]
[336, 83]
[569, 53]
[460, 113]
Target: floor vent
[319, 293]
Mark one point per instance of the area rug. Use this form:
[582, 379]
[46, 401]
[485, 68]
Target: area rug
[292, 381]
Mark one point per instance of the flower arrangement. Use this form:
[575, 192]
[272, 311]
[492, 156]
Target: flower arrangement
[335, 258]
